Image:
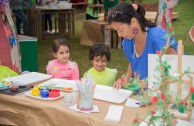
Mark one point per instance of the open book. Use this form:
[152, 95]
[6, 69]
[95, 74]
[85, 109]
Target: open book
[28, 78]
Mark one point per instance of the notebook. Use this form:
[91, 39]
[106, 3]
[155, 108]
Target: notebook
[114, 113]
[28, 78]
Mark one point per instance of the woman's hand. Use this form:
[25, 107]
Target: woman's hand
[120, 83]
[101, 5]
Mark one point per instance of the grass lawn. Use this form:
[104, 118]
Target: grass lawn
[79, 53]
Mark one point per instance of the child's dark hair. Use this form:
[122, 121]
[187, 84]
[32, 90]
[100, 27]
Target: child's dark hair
[59, 42]
[99, 49]
[124, 12]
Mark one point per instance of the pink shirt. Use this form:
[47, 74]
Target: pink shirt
[68, 71]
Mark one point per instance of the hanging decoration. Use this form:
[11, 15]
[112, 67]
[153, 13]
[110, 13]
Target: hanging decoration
[4, 2]
[4, 18]
[9, 49]
[165, 13]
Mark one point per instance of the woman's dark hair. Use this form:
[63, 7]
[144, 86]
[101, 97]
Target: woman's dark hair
[124, 12]
[99, 49]
[59, 42]
[96, 8]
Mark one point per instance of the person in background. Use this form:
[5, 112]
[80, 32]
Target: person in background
[20, 16]
[93, 9]
[99, 55]
[48, 17]
[141, 37]
[108, 4]
[62, 67]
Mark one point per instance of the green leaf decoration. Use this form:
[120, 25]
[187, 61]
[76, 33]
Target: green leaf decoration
[164, 7]
[168, 25]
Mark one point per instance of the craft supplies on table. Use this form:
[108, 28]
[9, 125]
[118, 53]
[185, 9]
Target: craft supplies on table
[20, 90]
[29, 94]
[85, 94]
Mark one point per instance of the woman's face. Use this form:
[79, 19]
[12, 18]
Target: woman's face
[123, 30]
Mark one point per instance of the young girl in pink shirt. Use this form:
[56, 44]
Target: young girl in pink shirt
[62, 67]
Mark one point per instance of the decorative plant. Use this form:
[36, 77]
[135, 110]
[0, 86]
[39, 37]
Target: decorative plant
[161, 97]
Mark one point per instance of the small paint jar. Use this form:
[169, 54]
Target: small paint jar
[44, 93]
[35, 91]
[54, 93]
[14, 87]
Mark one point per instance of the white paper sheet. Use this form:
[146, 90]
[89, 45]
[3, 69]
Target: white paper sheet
[28, 78]
[114, 113]
[133, 103]
[109, 94]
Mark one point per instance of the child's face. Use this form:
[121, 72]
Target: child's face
[99, 62]
[62, 54]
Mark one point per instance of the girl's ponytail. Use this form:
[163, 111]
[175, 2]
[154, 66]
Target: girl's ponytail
[143, 21]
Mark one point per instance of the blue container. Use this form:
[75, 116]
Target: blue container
[44, 93]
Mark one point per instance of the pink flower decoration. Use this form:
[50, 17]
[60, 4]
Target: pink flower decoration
[135, 120]
[182, 102]
[153, 112]
[170, 29]
[158, 52]
[192, 89]
[162, 96]
[154, 99]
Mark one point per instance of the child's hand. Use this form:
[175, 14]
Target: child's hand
[120, 83]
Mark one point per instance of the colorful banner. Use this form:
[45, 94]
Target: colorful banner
[165, 13]
[9, 47]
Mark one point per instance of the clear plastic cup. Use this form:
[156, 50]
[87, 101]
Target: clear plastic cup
[70, 98]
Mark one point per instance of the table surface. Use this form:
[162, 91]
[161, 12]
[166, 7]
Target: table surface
[22, 110]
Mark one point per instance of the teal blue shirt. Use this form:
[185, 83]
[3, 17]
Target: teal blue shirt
[155, 41]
